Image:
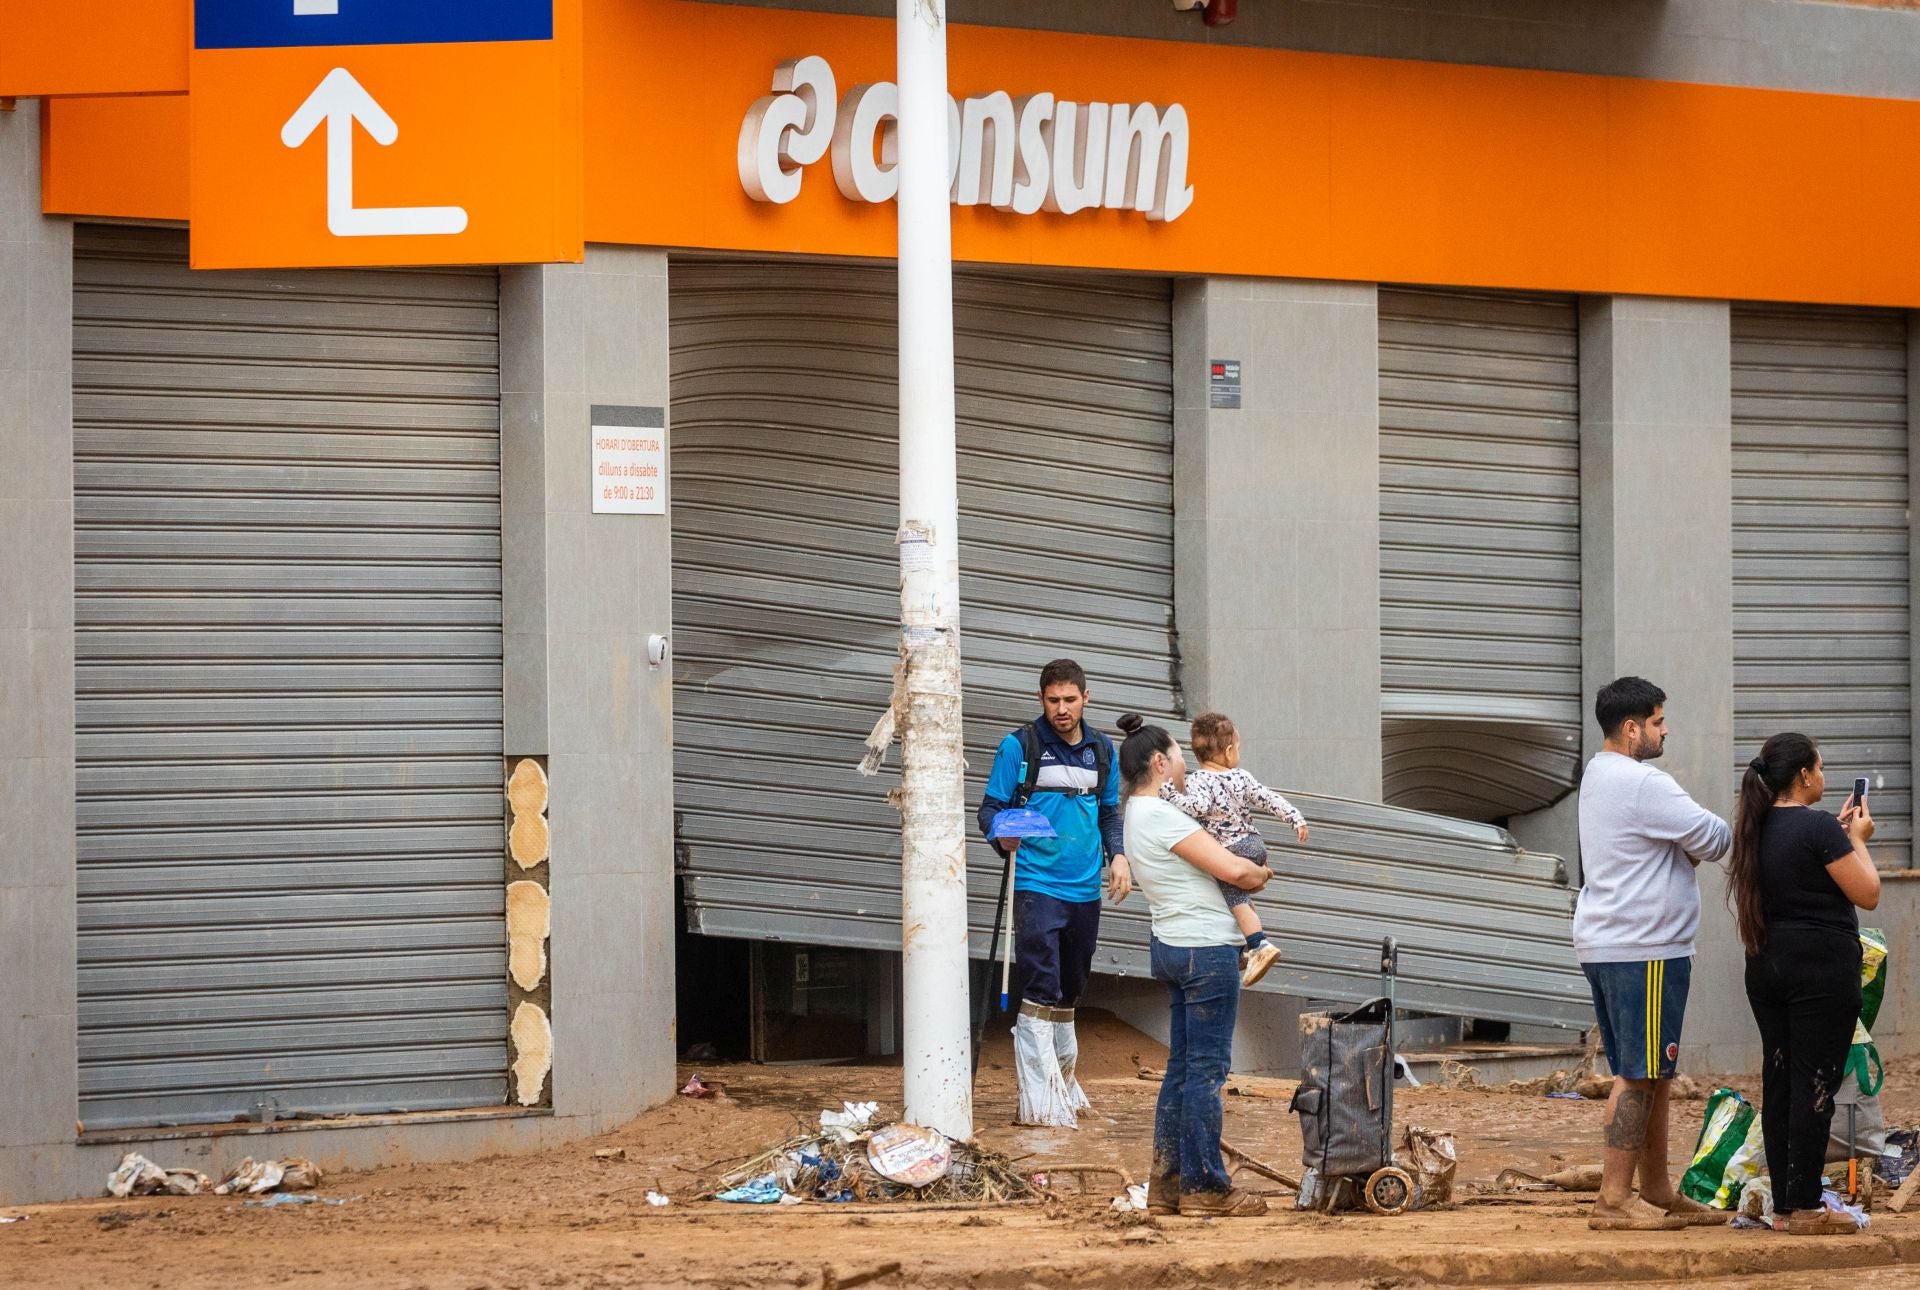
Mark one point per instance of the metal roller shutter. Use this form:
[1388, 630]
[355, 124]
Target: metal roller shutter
[785, 602]
[1820, 589]
[288, 637]
[785, 574]
[1479, 550]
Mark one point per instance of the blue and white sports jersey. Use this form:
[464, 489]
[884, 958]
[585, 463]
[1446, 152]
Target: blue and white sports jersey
[1066, 867]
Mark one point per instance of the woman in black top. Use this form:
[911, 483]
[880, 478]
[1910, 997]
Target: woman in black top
[1794, 879]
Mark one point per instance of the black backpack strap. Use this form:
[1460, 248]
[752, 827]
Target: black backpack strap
[1102, 766]
[1029, 764]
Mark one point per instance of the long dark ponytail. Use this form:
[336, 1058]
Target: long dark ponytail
[1772, 773]
[1142, 742]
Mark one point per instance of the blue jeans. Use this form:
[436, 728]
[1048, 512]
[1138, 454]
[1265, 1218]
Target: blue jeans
[1203, 999]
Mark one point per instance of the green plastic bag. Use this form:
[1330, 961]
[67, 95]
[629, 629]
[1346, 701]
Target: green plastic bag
[1873, 976]
[1729, 1155]
[1863, 1060]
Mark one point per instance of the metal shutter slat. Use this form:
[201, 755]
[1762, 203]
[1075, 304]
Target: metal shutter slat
[1821, 586]
[288, 667]
[1479, 550]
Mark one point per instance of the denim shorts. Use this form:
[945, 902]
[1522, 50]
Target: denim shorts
[1641, 1006]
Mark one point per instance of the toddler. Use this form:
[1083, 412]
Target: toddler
[1222, 797]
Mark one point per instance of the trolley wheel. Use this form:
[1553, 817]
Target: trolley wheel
[1388, 1191]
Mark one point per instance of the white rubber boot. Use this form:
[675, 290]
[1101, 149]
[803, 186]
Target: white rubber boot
[1066, 1050]
[1044, 1099]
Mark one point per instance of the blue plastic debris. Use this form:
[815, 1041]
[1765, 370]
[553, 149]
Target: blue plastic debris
[292, 1198]
[764, 1190]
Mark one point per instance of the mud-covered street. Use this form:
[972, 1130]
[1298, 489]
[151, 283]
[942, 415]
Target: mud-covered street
[566, 1218]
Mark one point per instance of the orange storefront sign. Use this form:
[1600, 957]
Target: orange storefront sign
[439, 165]
[1301, 165]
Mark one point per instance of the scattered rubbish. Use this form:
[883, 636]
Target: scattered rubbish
[856, 1156]
[1048, 1181]
[14, 1218]
[139, 1176]
[293, 1198]
[1149, 1073]
[1430, 1157]
[658, 1201]
[1142, 1236]
[849, 1123]
[910, 1154]
[1579, 1178]
[1756, 1200]
[696, 1088]
[764, 1190]
[1135, 1198]
[1729, 1154]
[252, 1177]
[829, 1280]
[1569, 1095]
[610, 1153]
[1901, 1155]
[1520, 1180]
[1743, 1223]
[1904, 1197]
[1238, 1159]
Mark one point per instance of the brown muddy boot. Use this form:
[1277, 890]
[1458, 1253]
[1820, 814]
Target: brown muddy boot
[1820, 1222]
[1634, 1216]
[1163, 1196]
[1233, 1203]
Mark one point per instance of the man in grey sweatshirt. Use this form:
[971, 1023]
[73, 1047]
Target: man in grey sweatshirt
[1641, 837]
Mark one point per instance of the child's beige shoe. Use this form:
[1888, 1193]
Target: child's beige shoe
[1258, 961]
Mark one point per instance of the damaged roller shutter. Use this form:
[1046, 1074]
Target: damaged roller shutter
[1479, 550]
[288, 640]
[1821, 551]
[785, 629]
[786, 601]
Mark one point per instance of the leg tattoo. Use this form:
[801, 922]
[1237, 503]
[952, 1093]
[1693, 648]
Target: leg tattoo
[1627, 1130]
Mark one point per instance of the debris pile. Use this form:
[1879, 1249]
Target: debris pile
[139, 1176]
[855, 1156]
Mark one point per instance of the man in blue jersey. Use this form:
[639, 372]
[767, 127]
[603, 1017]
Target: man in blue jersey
[1059, 767]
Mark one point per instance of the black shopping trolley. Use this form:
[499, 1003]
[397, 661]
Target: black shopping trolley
[1345, 1101]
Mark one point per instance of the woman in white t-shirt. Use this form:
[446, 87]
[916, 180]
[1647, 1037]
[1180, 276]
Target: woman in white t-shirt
[1196, 952]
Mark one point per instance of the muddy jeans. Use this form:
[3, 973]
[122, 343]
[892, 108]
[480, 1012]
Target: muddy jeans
[1203, 998]
[1804, 987]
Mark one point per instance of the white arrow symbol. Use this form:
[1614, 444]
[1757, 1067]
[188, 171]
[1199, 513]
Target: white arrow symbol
[340, 100]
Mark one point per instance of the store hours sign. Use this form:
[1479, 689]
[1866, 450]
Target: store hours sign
[629, 461]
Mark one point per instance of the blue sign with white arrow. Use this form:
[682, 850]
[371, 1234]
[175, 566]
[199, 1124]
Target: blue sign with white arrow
[275, 24]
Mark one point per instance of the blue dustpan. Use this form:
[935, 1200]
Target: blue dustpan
[1021, 822]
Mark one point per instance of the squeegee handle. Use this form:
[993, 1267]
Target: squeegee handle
[1006, 946]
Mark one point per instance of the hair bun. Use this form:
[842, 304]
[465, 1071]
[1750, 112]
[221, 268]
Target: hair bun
[1758, 767]
[1130, 722]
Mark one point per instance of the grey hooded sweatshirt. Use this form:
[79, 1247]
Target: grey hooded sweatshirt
[1639, 833]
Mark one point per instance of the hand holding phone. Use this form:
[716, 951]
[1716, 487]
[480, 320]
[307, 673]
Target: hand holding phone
[1856, 818]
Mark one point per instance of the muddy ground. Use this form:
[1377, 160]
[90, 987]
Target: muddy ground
[567, 1219]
